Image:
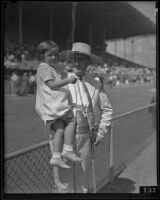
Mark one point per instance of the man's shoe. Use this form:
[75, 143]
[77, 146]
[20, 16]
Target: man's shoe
[71, 156]
[59, 163]
[60, 186]
[85, 190]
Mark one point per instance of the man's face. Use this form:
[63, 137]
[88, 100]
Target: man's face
[80, 63]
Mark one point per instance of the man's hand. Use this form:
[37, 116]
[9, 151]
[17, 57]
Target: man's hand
[99, 137]
[93, 137]
[98, 140]
[93, 133]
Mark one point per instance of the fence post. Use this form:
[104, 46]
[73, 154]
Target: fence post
[111, 162]
[93, 168]
[74, 179]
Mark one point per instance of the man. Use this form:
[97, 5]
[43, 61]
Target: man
[90, 105]
[24, 85]
[32, 83]
[13, 83]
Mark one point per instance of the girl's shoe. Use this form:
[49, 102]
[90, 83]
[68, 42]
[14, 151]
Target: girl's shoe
[59, 163]
[71, 156]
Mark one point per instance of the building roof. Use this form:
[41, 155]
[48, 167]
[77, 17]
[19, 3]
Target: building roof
[120, 20]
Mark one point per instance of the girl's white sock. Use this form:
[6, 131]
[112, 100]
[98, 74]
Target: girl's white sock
[67, 147]
[56, 155]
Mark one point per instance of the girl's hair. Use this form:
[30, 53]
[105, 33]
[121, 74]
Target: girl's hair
[45, 46]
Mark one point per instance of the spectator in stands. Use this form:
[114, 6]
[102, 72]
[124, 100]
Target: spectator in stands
[105, 65]
[6, 62]
[152, 110]
[154, 78]
[11, 57]
[114, 80]
[26, 53]
[24, 85]
[23, 59]
[100, 78]
[88, 111]
[111, 80]
[32, 83]
[53, 104]
[10, 61]
[13, 84]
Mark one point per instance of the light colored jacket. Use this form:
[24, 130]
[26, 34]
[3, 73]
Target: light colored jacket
[101, 105]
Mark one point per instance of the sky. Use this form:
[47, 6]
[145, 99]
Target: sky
[148, 8]
[144, 47]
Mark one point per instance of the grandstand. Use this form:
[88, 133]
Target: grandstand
[90, 18]
[25, 28]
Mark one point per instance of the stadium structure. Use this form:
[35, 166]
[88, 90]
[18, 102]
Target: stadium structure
[91, 22]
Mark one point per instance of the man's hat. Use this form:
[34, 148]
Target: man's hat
[80, 48]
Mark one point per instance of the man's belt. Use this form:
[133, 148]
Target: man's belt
[82, 129]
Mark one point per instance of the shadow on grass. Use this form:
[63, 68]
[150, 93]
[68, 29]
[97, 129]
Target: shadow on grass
[119, 185]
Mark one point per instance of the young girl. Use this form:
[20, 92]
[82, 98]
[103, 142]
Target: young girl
[52, 104]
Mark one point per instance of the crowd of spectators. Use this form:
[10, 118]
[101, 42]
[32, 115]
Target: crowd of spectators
[25, 83]
[16, 55]
[22, 84]
[113, 72]
[120, 74]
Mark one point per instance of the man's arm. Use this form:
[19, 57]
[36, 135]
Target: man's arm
[106, 109]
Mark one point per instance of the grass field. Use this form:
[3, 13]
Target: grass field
[23, 127]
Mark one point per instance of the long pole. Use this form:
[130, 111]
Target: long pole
[104, 39]
[132, 43]
[111, 162]
[115, 47]
[20, 23]
[51, 23]
[74, 4]
[124, 42]
[90, 35]
[93, 168]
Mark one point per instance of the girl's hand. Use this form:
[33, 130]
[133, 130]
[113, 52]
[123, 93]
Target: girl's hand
[72, 79]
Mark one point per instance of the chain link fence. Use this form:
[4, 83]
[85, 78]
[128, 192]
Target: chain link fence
[29, 171]
[102, 160]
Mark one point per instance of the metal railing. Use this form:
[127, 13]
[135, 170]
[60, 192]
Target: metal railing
[130, 134]
[29, 171]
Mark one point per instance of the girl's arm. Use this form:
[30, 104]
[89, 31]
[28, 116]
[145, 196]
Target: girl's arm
[57, 84]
